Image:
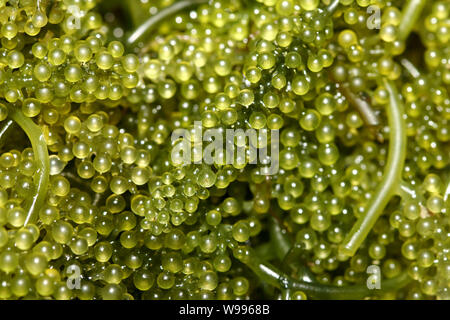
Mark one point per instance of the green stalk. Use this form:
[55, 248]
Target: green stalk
[388, 187]
[161, 15]
[270, 274]
[279, 239]
[42, 175]
[332, 7]
[410, 15]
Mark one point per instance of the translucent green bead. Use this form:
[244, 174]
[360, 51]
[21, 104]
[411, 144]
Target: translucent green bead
[130, 63]
[9, 30]
[143, 279]
[102, 163]
[222, 263]
[284, 39]
[78, 246]
[175, 239]
[206, 177]
[293, 60]
[310, 120]
[56, 57]
[45, 286]
[72, 124]
[308, 167]
[266, 60]
[347, 38]
[73, 73]
[241, 231]
[391, 268]
[112, 292]
[328, 154]
[165, 280]
[279, 81]
[208, 281]
[116, 49]
[410, 250]
[16, 216]
[62, 232]
[425, 258]
[300, 85]
[104, 60]
[60, 186]
[31, 107]
[20, 285]
[275, 122]
[246, 97]
[425, 227]
[309, 4]
[172, 262]
[325, 104]
[42, 71]
[83, 52]
[222, 67]
[388, 33]
[300, 214]
[285, 7]
[15, 59]
[103, 251]
[253, 74]
[113, 274]
[9, 261]
[24, 239]
[320, 221]
[288, 159]
[314, 63]
[39, 19]
[35, 263]
[213, 217]
[167, 89]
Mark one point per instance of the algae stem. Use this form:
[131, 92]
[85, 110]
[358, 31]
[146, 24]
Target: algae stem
[274, 277]
[391, 176]
[163, 14]
[365, 110]
[42, 175]
[410, 14]
[4, 129]
[405, 191]
[410, 67]
[332, 7]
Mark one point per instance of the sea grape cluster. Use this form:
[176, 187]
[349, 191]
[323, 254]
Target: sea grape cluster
[94, 203]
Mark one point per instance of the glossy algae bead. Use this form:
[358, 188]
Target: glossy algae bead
[104, 60]
[83, 52]
[130, 63]
[56, 57]
[62, 231]
[116, 49]
[293, 186]
[325, 104]
[328, 154]
[31, 107]
[103, 251]
[310, 120]
[240, 285]
[15, 59]
[246, 97]
[143, 279]
[241, 231]
[73, 73]
[206, 177]
[42, 71]
[300, 85]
